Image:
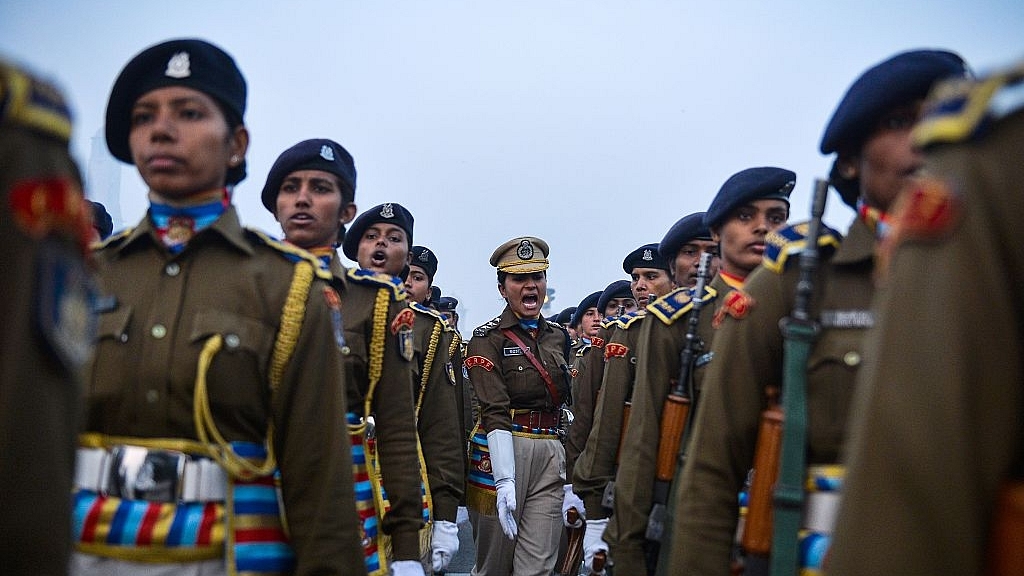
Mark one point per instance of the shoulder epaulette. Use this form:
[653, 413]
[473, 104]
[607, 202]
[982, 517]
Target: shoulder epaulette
[113, 240]
[29, 102]
[627, 320]
[420, 308]
[377, 280]
[291, 252]
[961, 109]
[483, 329]
[791, 240]
[677, 303]
[582, 350]
[608, 322]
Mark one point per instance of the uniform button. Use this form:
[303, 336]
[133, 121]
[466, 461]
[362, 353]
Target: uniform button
[172, 269]
[520, 368]
[345, 350]
[152, 396]
[852, 358]
[158, 331]
[232, 341]
[123, 337]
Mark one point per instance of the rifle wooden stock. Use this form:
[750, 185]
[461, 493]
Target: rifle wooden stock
[1005, 555]
[673, 422]
[627, 409]
[757, 530]
[574, 545]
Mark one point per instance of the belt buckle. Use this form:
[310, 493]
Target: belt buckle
[138, 473]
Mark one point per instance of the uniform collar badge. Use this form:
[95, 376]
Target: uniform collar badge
[525, 250]
[178, 66]
[387, 211]
[327, 153]
[647, 256]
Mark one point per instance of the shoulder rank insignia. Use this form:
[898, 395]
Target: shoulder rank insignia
[420, 308]
[483, 329]
[737, 304]
[401, 327]
[631, 319]
[290, 251]
[377, 280]
[677, 303]
[474, 361]
[32, 103]
[615, 350]
[790, 241]
[961, 109]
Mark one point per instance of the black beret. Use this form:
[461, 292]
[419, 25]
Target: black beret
[424, 258]
[391, 212]
[617, 289]
[686, 229]
[565, 316]
[763, 183]
[315, 154]
[101, 220]
[646, 256]
[435, 294]
[446, 304]
[589, 302]
[187, 62]
[900, 80]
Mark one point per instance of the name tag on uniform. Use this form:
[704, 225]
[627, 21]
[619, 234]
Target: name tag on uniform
[515, 351]
[847, 319]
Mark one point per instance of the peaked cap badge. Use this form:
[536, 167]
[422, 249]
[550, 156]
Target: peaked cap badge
[327, 153]
[387, 211]
[525, 250]
[178, 66]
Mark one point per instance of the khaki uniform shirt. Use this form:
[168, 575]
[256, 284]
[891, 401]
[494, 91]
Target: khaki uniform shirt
[393, 406]
[438, 420]
[748, 358]
[940, 404]
[661, 341]
[158, 311]
[41, 356]
[587, 371]
[504, 379]
[595, 467]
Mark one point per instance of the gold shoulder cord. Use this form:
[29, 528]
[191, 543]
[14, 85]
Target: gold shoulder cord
[291, 323]
[376, 359]
[428, 364]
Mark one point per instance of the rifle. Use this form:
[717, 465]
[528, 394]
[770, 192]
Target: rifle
[676, 412]
[756, 541]
[799, 331]
[574, 546]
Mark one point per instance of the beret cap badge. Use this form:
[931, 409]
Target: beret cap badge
[178, 66]
[424, 256]
[525, 250]
[387, 211]
[647, 256]
[327, 153]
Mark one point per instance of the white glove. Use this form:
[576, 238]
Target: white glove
[503, 468]
[593, 541]
[571, 500]
[444, 543]
[406, 568]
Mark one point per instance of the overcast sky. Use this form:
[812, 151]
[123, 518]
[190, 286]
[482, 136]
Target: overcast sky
[593, 125]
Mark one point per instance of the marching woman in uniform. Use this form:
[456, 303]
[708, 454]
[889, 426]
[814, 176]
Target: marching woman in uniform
[211, 447]
[518, 365]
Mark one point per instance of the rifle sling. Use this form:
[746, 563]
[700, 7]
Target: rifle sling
[556, 398]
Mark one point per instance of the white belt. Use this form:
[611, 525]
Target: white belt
[139, 473]
[820, 511]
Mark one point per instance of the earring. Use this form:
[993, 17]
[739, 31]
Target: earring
[235, 160]
[848, 172]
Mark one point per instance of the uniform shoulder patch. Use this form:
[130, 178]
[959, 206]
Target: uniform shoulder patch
[615, 350]
[481, 361]
[677, 303]
[789, 241]
[483, 329]
[961, 109]
[737, 304]
[291, 252]
[377, 280]
[927, 212]
[597, 342]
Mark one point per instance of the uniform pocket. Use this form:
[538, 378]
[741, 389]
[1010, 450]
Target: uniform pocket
[243, 362]
[831, 371]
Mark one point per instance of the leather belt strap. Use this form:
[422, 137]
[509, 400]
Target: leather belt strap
[556, 398]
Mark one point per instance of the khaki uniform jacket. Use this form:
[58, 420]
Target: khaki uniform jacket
[587, 371]
[748, 358]
[660, 343]
[438, 419]
[40, 382]
[596, 465]
[158, 311]
[505, 380]
[393, 407]
[938, 415]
